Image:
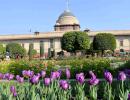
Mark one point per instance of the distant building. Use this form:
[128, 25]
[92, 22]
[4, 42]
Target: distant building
[66, 22]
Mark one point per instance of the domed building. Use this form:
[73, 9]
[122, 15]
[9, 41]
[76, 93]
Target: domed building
[67, 22]
[51, 41]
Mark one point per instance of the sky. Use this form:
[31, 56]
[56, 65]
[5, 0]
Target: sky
[23, 16]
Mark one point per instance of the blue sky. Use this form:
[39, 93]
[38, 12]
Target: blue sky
[19, 16]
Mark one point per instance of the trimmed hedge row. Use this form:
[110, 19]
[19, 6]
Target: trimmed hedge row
[75, 65]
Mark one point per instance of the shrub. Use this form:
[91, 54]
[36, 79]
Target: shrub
[124, 66]
[72, 41]
[15, 50]
[16, 67]
[75, 66]
[104, 41]
[83, 65]
[34, 52]
[4, 67]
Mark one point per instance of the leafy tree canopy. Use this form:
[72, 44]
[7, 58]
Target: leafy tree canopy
[104, 41]
[75, 40]
[15, 49]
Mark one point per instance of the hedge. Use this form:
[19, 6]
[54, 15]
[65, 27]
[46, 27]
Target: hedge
[98, 66]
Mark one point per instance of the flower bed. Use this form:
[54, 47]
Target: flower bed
[76, 65]
[39, 86]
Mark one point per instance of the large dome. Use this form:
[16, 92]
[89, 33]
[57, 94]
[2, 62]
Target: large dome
[67, 18]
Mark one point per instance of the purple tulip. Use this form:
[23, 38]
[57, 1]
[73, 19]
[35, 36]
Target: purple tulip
[27, 73]
[38, 74]
[13, 91]
[61, 82]
[60, 72]
[80, 78]
[15, 94]
[20, 79]
[64, 84]
[129, 96]
[92, 75]
[47, 81]
[24, 73]
[8, 76]
[93, 81]
[43, 74]
[122, 76]
[55, 75]
[1, 76]
[108, 76]
[67, 73]
[34, 79]
[127, 72]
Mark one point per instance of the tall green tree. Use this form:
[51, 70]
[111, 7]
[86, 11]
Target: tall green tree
[104, 41]
[75, 40]
[41, 49]
[15, 50]
[30, 52]
[2, 51]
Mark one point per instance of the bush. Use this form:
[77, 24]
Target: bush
[85, 65]
[34, 52]
[75, 66]
[104, 41]
[125, 66]
[16, 67]
[15, 50]
[4, 67]
[72, 41]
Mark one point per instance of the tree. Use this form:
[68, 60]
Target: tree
[75, 40]
[30, 52]
[2, 51]
[104, 41]
[15, 50]
[41, 49]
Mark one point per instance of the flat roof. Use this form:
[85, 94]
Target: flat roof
[55, 34]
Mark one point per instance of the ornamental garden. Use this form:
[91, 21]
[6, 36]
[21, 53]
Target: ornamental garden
[97, 74]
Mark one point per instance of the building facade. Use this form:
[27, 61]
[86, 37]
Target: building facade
[65, 22]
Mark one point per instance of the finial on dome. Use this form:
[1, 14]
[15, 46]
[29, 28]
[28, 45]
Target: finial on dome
[67, 5]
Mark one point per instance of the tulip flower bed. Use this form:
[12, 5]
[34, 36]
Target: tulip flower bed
[39, 86]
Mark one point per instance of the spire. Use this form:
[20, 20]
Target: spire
[67, 5]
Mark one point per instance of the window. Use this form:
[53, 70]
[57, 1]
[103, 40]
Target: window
[121, 43]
